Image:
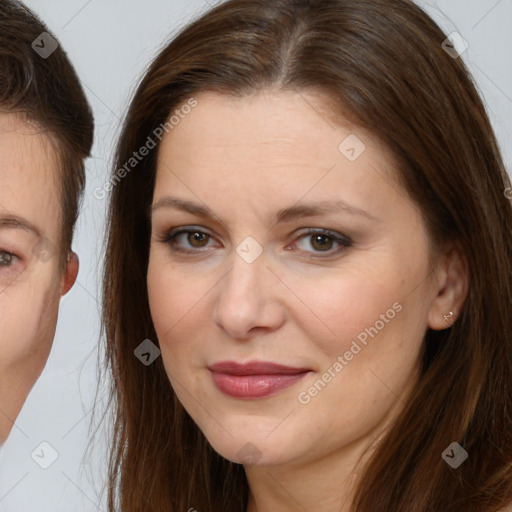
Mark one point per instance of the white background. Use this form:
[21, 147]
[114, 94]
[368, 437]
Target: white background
[110, 43]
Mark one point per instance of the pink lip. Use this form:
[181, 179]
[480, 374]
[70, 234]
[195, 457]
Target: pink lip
[255, 379]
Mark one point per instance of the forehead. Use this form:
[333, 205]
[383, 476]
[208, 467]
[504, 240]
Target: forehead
[277, 147]
[29, 173]
[288, 126]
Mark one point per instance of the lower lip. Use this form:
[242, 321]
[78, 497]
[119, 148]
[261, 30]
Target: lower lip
[254, 386]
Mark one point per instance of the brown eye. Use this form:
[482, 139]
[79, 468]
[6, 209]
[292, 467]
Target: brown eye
[321, 242]
[197, 238]
[187, 240]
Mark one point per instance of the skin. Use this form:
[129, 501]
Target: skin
[245, 159]
[31, 281]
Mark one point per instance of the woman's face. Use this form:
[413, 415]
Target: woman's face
[291, 317]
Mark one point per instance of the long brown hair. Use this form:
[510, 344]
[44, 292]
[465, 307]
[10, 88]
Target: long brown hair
[383, 64]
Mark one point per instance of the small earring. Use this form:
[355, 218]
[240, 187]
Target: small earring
[448, 317]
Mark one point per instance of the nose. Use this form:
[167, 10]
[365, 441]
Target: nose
[248, 300]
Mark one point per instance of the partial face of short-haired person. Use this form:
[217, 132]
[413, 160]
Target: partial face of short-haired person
[340, 299]
[32, 278]
[46, 132]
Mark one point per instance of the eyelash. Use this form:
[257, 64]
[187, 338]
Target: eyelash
[344, 241]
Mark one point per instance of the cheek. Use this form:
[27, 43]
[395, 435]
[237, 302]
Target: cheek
[175, 304]
[364, 323]
[28, 316]
[178, 315]
[335, 308]
[370, 352]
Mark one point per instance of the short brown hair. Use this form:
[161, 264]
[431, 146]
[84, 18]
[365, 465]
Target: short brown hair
[46, 89]
[383, 64]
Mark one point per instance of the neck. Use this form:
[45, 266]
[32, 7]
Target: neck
[327, 483]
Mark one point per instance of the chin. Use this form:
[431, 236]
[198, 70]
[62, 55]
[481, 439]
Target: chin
[250, 447]
[247, 453]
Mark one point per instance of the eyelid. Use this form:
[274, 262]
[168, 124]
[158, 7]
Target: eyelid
[170, 235]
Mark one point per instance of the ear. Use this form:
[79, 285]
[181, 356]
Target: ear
[70, 273]
[451, 288]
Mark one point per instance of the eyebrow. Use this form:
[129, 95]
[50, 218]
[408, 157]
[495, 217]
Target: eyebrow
[281, 216]
[14, 222]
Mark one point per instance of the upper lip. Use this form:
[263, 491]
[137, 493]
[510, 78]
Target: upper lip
[255, 368]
